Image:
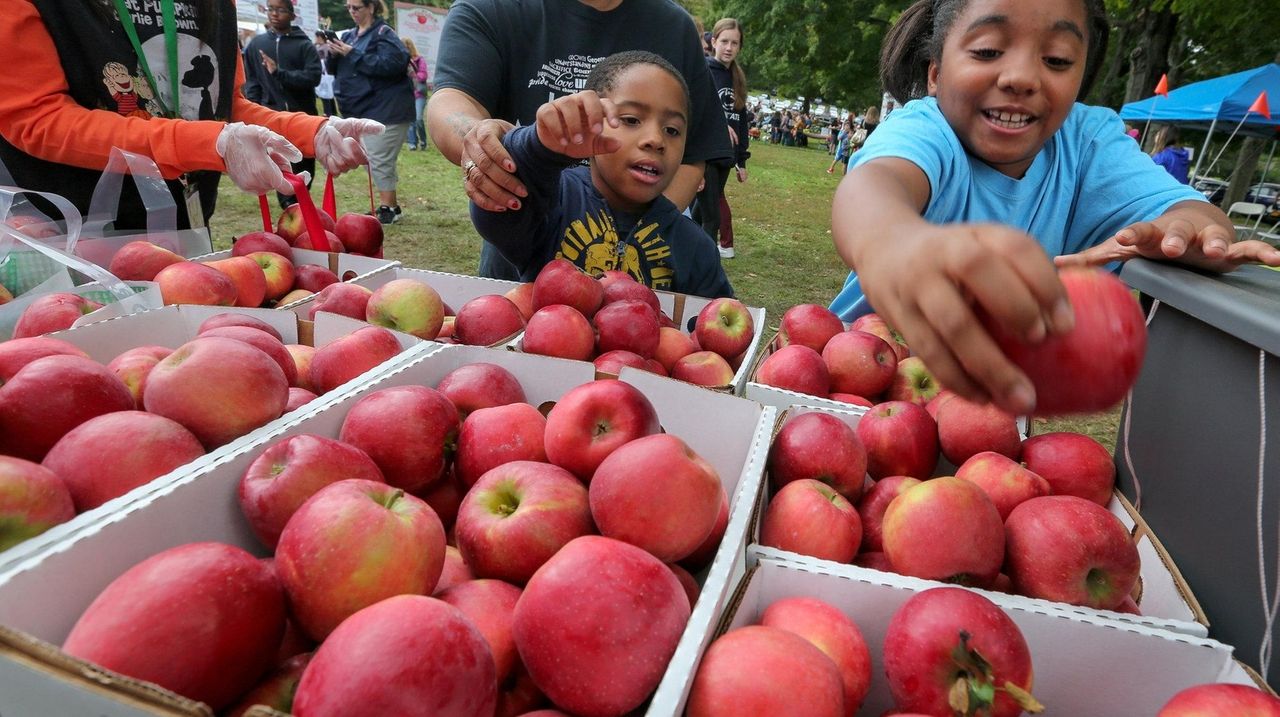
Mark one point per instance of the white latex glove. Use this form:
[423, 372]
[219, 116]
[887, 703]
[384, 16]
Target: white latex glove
[256, 157]
[338, 145]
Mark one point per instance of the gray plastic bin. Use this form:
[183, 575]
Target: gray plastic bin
[1194, 439]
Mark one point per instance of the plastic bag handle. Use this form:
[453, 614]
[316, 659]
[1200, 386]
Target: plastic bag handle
[162, 211]
[125, 295]
[310, 217]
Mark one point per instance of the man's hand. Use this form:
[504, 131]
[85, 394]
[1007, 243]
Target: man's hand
[267, 63]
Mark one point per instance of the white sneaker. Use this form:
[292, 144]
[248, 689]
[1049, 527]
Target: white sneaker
[726, 252]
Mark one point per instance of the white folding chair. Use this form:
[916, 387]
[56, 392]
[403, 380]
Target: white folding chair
[1248, 210]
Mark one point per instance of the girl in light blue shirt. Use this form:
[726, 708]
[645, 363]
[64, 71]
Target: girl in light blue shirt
[956, 204]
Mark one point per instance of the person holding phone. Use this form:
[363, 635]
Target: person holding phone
[281, 71]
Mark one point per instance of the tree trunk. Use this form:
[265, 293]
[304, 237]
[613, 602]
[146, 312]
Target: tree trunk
[1242, 175]
[1150, 57]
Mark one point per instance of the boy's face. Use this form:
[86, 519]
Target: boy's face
[1009, 75]
[652, 123]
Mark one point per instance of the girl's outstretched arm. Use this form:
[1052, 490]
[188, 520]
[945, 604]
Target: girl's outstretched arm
[932, 282]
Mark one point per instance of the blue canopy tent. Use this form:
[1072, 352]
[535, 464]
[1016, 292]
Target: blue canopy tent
[1226, 99]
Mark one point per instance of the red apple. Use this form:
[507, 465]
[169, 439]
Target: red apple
[966, 428]
[724, 326]
[1064, 548]
[201, 619]
[16, 353]
[406, 305]
[292, 470]
[490, 605]
[487, 320]
[52, 312]
[913, 382]
[32, 500]
[831, 631]
[874, 503]
[401, 656]
[673, 345]
[658, 494]
[262, 341]
[455, 570]
[594, 587]
[291, 225]
[35, 226]
[702, 556]
[759, 670]
[560, 331]
[874, 560]
[1221, 700]
[936, 402]
[1094, 365]
[52, 395]
[874, 324]
[795, 368]
[517, 516]
[352, 544]
[219, 388]
[298, 397]
[627, 326]
[613, 362]
[247, 275]
[218, 321]
[279, 273]
[1073, 464]
[522, 297]
[108, 456]
[302, 356]
[313, 277]
[190, 282]
[490, 437]
[360, 233]
[561, 282]
[851, 399]
[445, 497]
[350, 300]
[349, 356]
[620, 286]
[330, 242]
[901, 440]
[704, 368]
[859, 363]
[949, 644]
[480, 385]
[821, 447]
[293, 297]
[945, 529]
[809, 325]
[409, 431]
[593, 420]
[1005, 481]
[810, 518]
[247, 244]
[141, 261]
[276, 690]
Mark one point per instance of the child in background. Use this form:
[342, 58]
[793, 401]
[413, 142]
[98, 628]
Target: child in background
[1175, 158]
[842, 146]
[956, 203]
[630, 121]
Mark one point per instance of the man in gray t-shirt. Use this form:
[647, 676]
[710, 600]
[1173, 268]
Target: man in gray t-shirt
[499, 60]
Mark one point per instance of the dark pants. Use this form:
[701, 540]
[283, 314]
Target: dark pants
[707, 209]
[330, 107]
[726, 223]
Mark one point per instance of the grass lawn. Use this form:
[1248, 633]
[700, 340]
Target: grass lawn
[782, 228]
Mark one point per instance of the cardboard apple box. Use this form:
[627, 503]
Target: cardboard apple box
[454, 289]
[173, 326]
[1085, 664]
[1165, 599]
[43, 596]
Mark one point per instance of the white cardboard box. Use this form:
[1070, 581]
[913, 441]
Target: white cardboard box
[43, 595]
[1084, 664]
[173, 326]
[1166, 600]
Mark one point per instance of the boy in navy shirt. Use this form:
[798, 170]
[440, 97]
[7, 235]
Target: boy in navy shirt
[630, 121]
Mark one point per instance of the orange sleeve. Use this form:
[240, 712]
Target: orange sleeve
[39, 117]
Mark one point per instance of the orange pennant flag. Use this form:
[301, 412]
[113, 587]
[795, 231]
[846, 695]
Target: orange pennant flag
[1162, 87]
[1260, 105]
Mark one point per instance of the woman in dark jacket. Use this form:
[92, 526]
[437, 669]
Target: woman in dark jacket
[731, 84]
[370, 64]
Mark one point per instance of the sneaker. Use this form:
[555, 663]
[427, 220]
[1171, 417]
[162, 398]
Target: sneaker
[399, 214]
[726, 252]
[386, 215]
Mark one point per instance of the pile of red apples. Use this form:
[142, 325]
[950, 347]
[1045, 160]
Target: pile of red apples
[75, 433]
[615, 321]
[449, 546]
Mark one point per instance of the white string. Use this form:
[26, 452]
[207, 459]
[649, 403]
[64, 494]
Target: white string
[1270, 606]
[1128, 421]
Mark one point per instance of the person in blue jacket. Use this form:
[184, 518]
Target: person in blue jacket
[371, 80]
[631, 122]
[1175, 158]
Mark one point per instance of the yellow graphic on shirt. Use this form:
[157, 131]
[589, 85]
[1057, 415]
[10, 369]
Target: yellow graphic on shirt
[592, 243]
